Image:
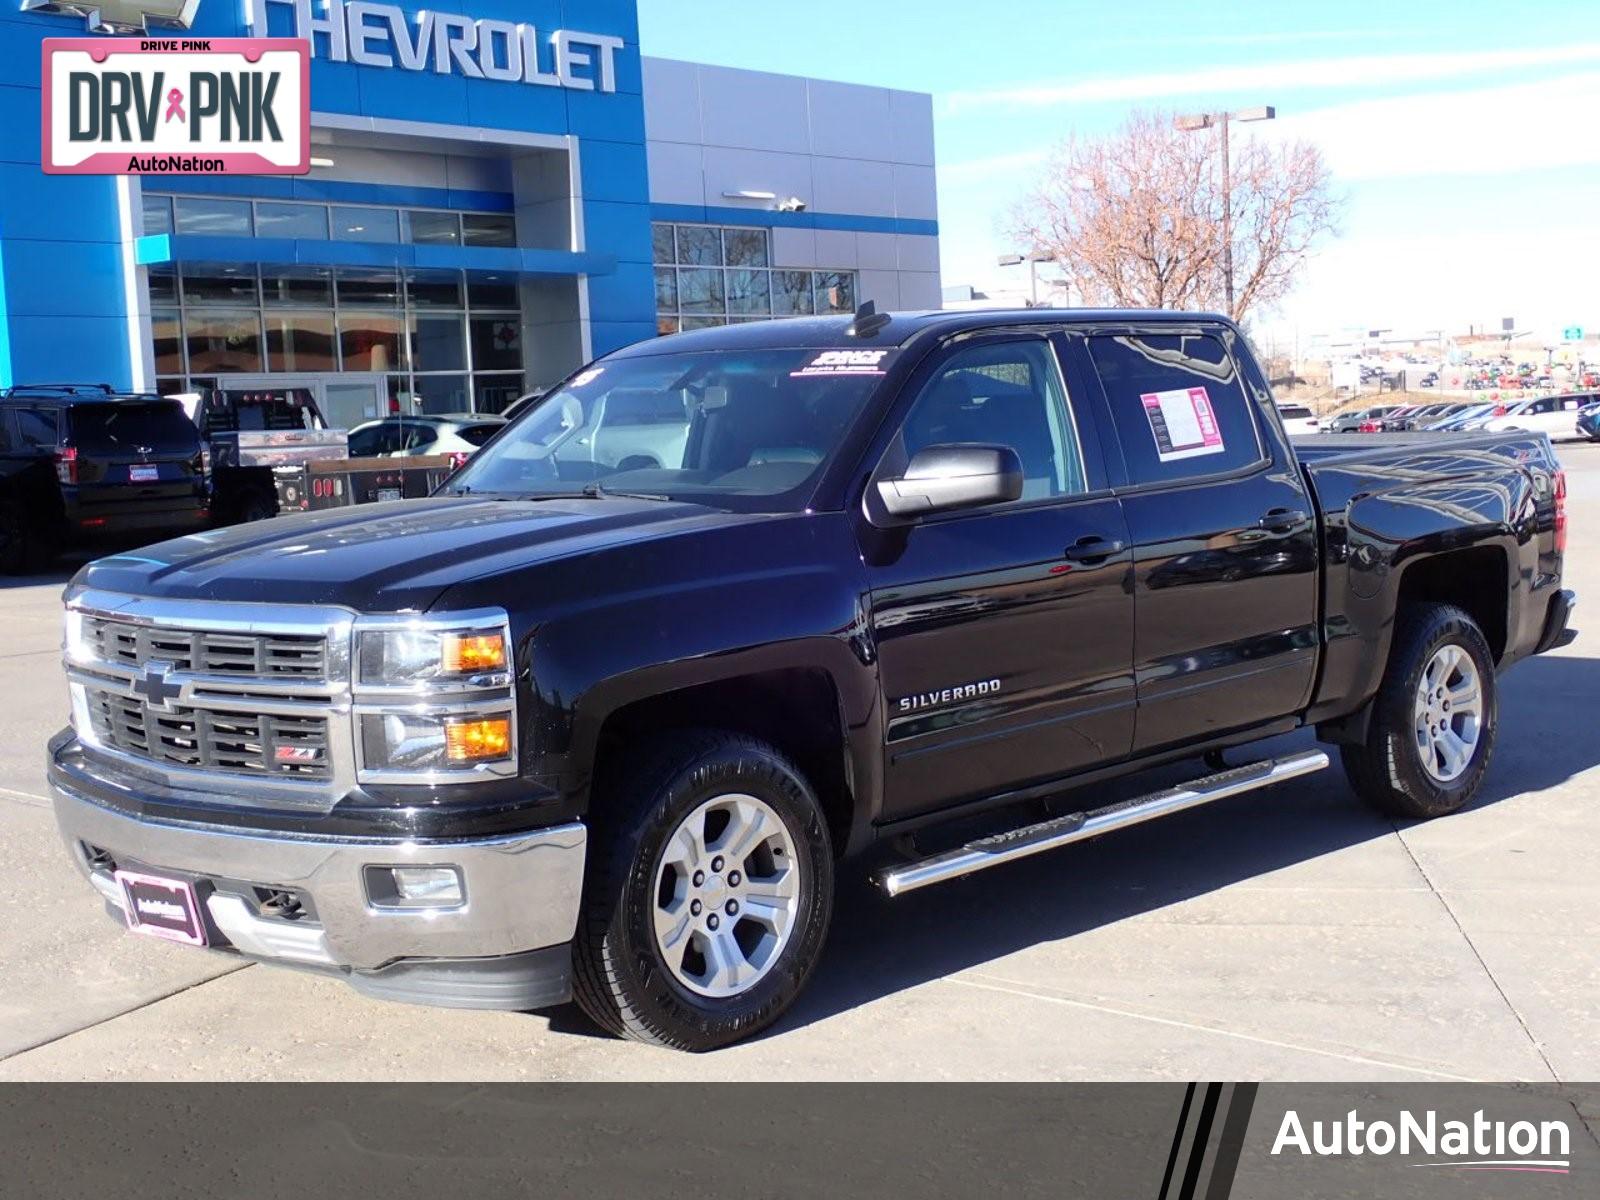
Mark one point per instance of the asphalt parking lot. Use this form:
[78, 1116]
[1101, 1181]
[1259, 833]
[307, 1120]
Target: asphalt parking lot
[1285, 935]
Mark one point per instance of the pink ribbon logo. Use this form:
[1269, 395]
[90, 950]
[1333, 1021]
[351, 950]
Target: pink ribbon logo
[175, 105]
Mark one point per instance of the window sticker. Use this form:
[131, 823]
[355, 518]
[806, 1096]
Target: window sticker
[1183, 422]
[846, 362]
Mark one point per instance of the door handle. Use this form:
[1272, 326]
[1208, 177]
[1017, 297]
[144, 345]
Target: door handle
[1281, 520]
[1093, 549]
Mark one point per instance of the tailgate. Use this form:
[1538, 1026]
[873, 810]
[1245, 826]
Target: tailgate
[133, 451]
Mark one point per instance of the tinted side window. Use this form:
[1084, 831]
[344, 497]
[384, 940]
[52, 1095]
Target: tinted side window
[1180, 408]
[1008, 394]
[37, 427]
[8, 439]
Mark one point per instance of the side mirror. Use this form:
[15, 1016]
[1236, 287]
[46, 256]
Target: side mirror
[951, 478]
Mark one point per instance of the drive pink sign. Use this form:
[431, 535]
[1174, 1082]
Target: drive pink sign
[177, 106]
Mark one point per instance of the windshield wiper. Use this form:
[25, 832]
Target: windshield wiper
[595, 490]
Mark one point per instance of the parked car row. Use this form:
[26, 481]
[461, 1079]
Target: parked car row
[83, 460]
[1567, 416]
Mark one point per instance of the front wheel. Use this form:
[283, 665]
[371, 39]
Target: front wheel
[710, 894]
[1433, 722]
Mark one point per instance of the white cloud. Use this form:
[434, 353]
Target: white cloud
[1494, 130]
[1371, 70]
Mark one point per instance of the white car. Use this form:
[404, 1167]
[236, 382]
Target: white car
[1298, 419]
[1554, 415]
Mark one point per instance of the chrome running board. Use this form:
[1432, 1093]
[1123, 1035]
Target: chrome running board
[1007, 847]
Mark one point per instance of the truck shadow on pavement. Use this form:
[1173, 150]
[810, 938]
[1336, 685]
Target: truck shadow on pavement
[880, 946]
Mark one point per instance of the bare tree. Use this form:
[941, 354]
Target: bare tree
[1135, 219]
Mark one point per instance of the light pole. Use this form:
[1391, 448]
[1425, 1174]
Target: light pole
[1193, 121]
[1033, 260]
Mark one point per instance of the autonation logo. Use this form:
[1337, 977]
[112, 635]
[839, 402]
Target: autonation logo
[1480, 1144]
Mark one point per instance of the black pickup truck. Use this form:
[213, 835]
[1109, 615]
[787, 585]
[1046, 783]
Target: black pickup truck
[909, 585]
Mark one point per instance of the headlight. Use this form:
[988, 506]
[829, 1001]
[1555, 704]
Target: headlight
[435, 698]
[411, 657]
[414, 742]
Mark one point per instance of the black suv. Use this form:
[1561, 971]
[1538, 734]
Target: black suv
[81, 460]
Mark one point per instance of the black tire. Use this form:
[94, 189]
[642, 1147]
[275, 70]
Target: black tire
[1388, 770]
[621, 977]
[18, 548]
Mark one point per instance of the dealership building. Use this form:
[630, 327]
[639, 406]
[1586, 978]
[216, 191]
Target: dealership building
[497, 194]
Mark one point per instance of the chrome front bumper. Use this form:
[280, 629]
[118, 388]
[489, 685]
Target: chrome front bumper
[521, 892]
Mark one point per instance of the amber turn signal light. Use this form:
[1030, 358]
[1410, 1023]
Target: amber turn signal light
[469, 653]
[478, 741]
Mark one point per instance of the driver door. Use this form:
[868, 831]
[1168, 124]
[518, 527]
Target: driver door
[1005, 633]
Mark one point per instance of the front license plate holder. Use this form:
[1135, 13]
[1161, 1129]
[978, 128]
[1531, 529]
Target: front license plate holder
[162, 908]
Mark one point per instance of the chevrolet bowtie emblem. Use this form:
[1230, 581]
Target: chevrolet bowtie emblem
[120, 16]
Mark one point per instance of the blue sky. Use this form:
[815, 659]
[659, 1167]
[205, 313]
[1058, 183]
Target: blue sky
[1464, 135]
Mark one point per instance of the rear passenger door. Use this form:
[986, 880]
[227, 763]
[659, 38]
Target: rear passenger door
[1223, 533]
[1004, 634]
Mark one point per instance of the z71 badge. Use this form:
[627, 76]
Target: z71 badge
[964, 691]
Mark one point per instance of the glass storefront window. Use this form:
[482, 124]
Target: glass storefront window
[746, 247]
[497, 343]
[791, 293]
[836, 291]
[213, 218]
[223, 342]
[371, 341]
[166, 330]
[666, 290]
[157, 214]
[699, 246]
[491, 393]
[661, 237]
[170, 386]
[700, 291]
[163, 285]
[433, 228]
[309, 221]
[493, 291]
[441, 393]
[220, 283]
[727, 272]
[703, 322]
[351, 224]
[750, 292]
[438, 344]
[301, 342]
[489, 229]
[434, 289]
[369, 288]
[298, 285]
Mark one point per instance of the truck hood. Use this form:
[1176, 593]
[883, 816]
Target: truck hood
[394, 557]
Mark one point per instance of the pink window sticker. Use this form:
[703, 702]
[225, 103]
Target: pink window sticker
[1183, 423]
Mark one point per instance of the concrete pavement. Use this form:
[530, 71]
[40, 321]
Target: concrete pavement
[1287, 935]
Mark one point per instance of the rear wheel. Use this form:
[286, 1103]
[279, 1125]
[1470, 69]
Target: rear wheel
[1433, 722]
[710, 894]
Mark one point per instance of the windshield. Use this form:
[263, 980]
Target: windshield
[744, 430]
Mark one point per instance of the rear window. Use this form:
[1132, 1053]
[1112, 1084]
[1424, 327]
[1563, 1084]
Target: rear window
[477, 435]
[1293, 411]
[117, 427]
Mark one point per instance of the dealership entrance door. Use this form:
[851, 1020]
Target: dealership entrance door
[345, 400]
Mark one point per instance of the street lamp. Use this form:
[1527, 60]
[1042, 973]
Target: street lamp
[1033, 260]
[1192, 121]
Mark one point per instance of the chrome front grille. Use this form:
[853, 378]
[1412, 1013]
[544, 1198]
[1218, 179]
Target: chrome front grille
[207, 652]
[251, 744]
[248, 702]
